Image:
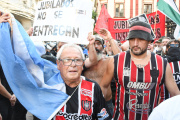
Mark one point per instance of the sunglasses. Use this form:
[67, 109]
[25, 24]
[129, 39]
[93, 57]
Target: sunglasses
[174, 45]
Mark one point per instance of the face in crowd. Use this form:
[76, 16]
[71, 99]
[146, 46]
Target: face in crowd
[98, 46]
[165, 41]
[151, 47]
[70, 62]
[138, 46]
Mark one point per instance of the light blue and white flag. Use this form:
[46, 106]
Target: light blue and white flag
[36, 82]
[169, 8]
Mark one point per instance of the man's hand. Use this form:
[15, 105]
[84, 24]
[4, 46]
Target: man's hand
[30, 31]
[105, 34]
[13, 100]
[4, 17]
[91, 38]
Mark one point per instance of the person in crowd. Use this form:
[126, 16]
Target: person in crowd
[96, 71]
[158, 47]
[165, 40]
[167, 110]
[150, 47]
[86, 97]
[173, 57]
[139, 75]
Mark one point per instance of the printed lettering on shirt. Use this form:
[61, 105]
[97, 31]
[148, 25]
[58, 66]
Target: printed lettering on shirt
[72, 116]
[140, 85]
[176, 77]
[133, 106]
[86, 92]
[137, 93]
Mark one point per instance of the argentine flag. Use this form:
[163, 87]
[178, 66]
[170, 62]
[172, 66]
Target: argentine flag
[36, 82]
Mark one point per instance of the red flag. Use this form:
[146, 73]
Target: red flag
[102, 21]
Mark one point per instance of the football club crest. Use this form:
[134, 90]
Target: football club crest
[86, 105]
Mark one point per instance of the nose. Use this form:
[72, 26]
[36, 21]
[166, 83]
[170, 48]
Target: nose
[73, 63]
[136, 41]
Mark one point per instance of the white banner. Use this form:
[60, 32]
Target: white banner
[63, 20]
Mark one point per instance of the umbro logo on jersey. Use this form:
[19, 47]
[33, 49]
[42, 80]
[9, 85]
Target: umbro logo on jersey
[86, 105]
[140, 85]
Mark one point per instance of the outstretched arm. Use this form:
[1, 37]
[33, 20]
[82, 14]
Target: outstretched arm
[92, 60]
[106, 35]
[108, 75]
[170, 82]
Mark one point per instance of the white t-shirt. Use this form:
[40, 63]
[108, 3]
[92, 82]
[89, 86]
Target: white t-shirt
[167, 110]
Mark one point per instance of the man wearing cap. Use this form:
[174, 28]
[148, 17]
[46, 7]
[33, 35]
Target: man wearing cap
[139, 75]
[96, 72]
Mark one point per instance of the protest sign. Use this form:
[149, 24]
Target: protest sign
[157, 22]
[63, 20]
[118, 28]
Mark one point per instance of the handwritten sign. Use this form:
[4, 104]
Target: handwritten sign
[63, 20]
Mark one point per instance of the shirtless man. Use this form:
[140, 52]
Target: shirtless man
[96, 72]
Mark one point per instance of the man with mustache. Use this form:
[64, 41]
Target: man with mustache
[139, 75]
[96, 72]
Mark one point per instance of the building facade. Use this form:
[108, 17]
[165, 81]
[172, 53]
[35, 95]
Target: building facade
[23, 10]
[128, 8]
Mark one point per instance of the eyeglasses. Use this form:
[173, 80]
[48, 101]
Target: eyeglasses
[174, 45]
[68, 62]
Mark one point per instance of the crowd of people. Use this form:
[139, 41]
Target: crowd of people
[145, 73]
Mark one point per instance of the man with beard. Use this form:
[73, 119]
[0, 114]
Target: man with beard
[139, 75]
[96, 72]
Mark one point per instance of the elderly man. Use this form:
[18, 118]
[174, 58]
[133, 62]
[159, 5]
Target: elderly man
[139, 75]
[87, 101]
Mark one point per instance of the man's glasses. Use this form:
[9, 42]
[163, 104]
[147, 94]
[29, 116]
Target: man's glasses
[68, 62]
[174, 45]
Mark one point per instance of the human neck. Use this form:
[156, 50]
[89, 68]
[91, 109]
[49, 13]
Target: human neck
[139, 57]
[72, 83]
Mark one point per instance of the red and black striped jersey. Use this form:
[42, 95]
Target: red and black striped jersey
[175, 67]
[87, 103]
[137, 89]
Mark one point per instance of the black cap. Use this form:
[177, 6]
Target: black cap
[141, 30]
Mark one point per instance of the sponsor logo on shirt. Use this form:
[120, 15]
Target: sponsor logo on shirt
[133, 106]
[86, 105]
[72, 116]
[140, 85]
[137, 93]
[86, 92]
[103, 114]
